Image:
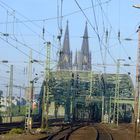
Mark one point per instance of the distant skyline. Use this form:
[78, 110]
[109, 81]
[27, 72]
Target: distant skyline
[24, 21]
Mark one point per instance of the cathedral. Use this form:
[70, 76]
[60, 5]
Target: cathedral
[82, 57]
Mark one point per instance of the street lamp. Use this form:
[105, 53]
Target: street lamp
[136, 6]
[4, 61]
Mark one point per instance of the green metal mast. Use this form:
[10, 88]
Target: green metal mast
[10, 92]
[28, 119]
[116, 97]
[45, 102]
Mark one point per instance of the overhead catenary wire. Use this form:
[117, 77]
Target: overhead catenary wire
[99, 39]
[119, 34]
[112, 27]
[24, 23]
[55, 18]
[10, 44]
[22, 52]
[103, 59]
[20, 14]
[94, 15]
[60, 17]
[100, 3]
[23, 44]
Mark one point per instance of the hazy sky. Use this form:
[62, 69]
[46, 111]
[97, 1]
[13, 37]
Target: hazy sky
[24, 20]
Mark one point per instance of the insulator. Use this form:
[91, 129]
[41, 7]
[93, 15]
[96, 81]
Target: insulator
[119, 34]
[72, 75]
[59, 37]
[61, 52]
[61, 31]
[106, 33]
[43, 30]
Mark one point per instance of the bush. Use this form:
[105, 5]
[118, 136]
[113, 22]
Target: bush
[16, 131]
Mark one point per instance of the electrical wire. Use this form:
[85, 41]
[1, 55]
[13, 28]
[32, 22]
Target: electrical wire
[44, 19]
[24, 23]
[21, 14]
[94, 15]
[55, 18]
[15, 47]
[99, 39]
[26, 46]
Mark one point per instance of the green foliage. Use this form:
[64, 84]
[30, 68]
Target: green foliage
[16, 110]
[16, 131]
[21, 110]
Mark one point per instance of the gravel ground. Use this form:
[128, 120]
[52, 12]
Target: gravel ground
[84, 133]
[122, 132]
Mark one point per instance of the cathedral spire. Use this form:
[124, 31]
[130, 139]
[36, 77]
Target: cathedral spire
[65, 59]
[86, 58]
[85, 43]
[66, 43]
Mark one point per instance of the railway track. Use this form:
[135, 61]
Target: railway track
[63, 134]
[103, 133]
[91, 132]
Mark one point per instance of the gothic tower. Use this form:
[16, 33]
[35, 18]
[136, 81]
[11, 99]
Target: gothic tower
[65, 57]
[85, 53]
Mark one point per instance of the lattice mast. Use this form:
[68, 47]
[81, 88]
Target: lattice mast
[45, 102]
[28, 118]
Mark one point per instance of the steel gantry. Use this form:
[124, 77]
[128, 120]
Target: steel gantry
[84, 97]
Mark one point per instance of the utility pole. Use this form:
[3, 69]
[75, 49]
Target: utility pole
[102, 96]
[67, 103]
[117, 90]
[137, 93]
[103, 108]
[106, 45]
[110, 109]
[91, 84]
[115, 112]
[7, 103]
[73, 92]
[10, 92]
[116, 97]
[45, 101]
[19, 100]
[28, 118]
